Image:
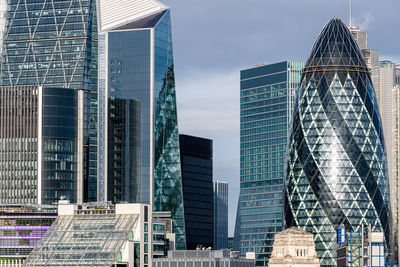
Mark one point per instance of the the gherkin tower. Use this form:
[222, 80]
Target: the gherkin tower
[337, 170]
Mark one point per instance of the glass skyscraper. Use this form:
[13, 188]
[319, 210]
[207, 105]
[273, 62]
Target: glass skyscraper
[267, 95]
[337, 169]
[197, 185]
[48, 78]
[220, 215]
[139, 158]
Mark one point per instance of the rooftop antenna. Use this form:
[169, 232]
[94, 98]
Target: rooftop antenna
[350, 15]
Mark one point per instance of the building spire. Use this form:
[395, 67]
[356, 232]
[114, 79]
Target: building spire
[350, 25]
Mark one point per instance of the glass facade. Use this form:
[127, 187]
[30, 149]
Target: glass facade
[220, 215]
[53, 44]
[59, 133]
[95, 234]
[267, 95]
[139, 159]
[21, 228]
[337, 170]
[197, 183]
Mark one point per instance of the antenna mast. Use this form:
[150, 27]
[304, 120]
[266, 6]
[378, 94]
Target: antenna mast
[350, 14]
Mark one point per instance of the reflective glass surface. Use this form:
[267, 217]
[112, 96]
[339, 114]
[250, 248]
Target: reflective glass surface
[337, 171]
[197, 185]
[54, 44]
[267, 97]
[167, 166]
[220, 215]
[136, 82]
[128, 130]
[59, 144]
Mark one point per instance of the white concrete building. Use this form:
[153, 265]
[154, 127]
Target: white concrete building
[294, 247]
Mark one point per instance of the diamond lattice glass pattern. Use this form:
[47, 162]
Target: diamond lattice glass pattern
[337, 170]
[167, 167]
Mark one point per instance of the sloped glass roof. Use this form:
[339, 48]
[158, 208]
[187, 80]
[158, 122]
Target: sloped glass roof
[147, 22]
[83, 240]
[335, 46]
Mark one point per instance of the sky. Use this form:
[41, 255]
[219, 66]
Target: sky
[215, 39]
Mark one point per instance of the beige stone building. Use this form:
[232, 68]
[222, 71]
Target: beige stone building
[294, 247]
[385, 78]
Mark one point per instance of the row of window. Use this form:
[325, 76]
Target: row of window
[262, 189]
[262, 176]
[263, 89]
[270, 155]
[261, 103]
[262, 149]
[262, 136]
[264, 116]
[263, 109]
[261, 183]
[260, 163]
[273, 94]
[264, 143]
[269, 128]
[263, 123]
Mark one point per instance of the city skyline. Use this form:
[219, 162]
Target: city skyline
[199, 74]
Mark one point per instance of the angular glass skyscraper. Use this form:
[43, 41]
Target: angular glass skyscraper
[267, 95]
[139, 158]
[48, 81]
[337, 170]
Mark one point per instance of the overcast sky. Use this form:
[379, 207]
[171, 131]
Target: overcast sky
[215, 39]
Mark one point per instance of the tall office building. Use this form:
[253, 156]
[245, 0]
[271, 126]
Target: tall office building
[220, 214]
[3, 10]
[48, 81]
[383, 76]
[337, 170]
[267, 95]
[139, 158]
[197, 182]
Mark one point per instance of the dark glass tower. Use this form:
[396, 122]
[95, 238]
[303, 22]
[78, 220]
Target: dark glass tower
[138, 152]
[337, 171]
[50, 44]
[197, 184]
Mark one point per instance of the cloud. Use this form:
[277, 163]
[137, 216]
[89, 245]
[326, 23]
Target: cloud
[208, 102]
[209, 106]
[364, 21]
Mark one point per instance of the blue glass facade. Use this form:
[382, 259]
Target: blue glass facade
[267, 95]
[53, 44]
[220, 215]
[139, 159]
[337, 170]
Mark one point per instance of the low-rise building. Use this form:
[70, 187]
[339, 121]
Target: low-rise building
[202, 258]
[294, 247]
[21, 228]
[97, 234]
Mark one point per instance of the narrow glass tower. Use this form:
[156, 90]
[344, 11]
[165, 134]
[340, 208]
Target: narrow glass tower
[139, 157]
[337, 170]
